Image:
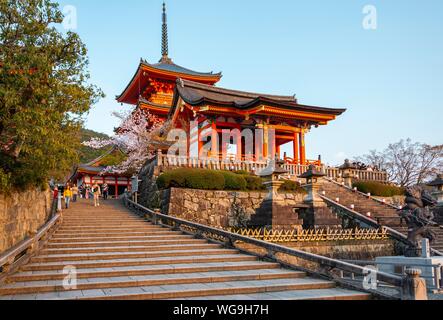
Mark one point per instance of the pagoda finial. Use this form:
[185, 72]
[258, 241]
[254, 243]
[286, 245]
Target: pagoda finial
[165, 36]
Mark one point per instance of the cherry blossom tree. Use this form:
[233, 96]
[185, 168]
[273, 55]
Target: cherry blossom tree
[139, 136]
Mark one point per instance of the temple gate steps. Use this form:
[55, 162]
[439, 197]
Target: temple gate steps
[120, 256]
[384, 213]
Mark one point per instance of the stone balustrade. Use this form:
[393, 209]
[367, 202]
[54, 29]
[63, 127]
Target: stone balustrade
[294, 170]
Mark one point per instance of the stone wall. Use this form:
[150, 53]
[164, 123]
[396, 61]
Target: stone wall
[216, 208]
[22, 214]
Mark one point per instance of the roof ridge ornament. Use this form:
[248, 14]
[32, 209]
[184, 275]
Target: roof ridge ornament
[165, 46]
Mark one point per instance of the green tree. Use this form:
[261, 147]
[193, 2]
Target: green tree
[44, 93]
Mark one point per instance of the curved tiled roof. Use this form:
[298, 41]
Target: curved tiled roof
[172, 67]
[196, 94]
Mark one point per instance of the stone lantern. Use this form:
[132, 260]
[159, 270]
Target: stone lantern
[272, 175]
[346, 172]
[313, 184]
[274, 212]
[438, 185]
[318, 215]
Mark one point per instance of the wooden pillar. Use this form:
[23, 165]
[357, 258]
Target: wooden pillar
[239, 145]
[116, 187]
[272, 143]
[265, 141]
[200, 143]
[279, 151]
[302, 148]
[258, 144]
[296, 149]
[214, 141]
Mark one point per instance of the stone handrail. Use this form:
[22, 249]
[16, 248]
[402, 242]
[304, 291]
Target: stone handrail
[365, 175]
[213, 233]
[398, 236]
[17, 255]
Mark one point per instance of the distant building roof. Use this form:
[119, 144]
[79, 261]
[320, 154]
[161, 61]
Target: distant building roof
[437, 182]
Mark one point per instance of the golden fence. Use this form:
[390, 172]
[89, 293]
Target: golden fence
[318, 235]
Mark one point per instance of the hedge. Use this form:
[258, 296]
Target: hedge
[217, 180]
[291, 186]
[234, 181]
[192, 178]
[378, 189]
[254, 183]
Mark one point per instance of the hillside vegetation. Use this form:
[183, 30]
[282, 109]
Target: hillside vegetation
[87, 154]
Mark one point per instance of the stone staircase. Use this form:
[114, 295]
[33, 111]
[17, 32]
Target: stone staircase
[118, 256]
[385, 214]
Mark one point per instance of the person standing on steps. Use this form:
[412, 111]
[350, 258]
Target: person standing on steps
[74, 193]
[96, 194]
[105, 191]
[68, 195]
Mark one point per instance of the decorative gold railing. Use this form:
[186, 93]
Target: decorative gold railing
[317, 235]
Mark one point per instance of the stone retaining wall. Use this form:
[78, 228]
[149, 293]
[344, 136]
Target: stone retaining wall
[22, 214]
[216, 208]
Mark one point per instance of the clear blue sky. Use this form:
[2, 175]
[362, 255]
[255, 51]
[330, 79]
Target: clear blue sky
[390, 79]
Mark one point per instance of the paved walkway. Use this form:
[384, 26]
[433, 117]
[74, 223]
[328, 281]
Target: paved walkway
[117, 255]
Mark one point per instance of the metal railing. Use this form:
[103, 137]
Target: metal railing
[329, 268]
[394, 234]
[313, 235]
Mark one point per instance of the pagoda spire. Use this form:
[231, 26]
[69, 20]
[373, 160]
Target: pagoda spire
[165, 49]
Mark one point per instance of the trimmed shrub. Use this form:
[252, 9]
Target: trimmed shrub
[234, 181]
[205, 180]
[192, 179]
[172, 179]
[378, 189]
[242, 172]
[291, 186]
[254, 183]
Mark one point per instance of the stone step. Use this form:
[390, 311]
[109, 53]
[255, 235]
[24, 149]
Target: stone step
[166, 279]
[171, 260]
[120, 256]
[203, 290]
[108, 229]
[91, 238]
[149, 247]
[101, 225]
[103, 219]
[109, 272]
[168, 239]
[126, 255]
[199, 244]
[107, 234]
[293, 295]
